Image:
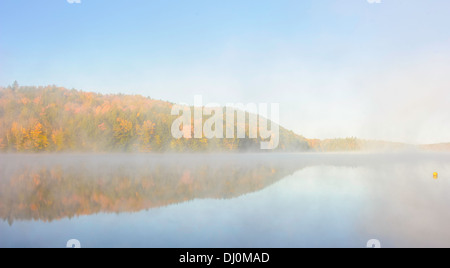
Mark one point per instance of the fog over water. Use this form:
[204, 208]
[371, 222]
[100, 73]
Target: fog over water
[225, 200]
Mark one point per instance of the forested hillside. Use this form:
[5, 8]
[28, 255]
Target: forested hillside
[55, 119]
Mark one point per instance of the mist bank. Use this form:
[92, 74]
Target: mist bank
[56, 119]
[52, 187]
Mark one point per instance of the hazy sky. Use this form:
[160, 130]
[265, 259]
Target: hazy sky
[338, 68]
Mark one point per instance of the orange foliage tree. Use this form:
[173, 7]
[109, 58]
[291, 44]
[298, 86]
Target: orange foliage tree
[38, 138]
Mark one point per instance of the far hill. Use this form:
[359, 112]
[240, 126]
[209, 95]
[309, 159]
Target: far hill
[354, 144]
[441, 147]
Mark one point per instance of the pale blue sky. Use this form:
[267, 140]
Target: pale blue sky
[337, 67]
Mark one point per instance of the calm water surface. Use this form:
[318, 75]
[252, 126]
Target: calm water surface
[229, 200]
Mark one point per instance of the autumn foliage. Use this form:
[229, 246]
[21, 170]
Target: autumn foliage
[36, 119]
[55, 119]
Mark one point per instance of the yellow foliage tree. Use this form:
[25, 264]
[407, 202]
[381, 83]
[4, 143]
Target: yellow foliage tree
[145, 133]
[17, 136]
[123, 131]
[58, 139]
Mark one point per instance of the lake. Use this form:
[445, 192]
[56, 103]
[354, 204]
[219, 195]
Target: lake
[225, 200]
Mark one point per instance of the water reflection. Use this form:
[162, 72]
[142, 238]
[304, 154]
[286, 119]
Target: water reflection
[255, 200]
[53, 187]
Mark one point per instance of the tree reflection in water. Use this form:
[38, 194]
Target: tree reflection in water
[54, 187]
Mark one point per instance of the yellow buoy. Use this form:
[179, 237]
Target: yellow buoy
[435, 175]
